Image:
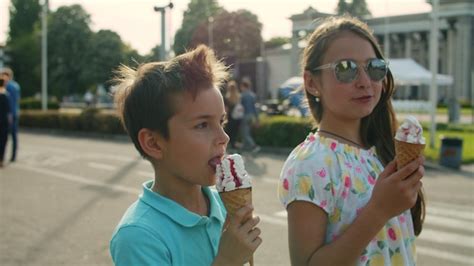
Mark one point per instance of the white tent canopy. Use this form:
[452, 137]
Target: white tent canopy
[408, 72]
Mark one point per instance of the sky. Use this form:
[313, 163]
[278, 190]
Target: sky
[140, 26]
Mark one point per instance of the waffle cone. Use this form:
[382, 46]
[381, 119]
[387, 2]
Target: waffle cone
[406, 152]
[236, 199]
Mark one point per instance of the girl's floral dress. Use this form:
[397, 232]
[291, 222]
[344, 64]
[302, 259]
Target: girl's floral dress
[339, 179]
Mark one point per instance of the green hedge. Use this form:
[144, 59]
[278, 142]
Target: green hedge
[282, 131]
[35, 104]
[90, 120]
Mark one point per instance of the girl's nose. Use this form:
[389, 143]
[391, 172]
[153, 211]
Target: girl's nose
[363, 80]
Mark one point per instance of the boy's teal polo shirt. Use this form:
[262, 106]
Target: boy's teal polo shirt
[158, 231]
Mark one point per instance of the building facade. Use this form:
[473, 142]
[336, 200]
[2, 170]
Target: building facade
[407, 36]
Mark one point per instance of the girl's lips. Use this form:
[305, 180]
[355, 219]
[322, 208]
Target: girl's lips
[363, 99]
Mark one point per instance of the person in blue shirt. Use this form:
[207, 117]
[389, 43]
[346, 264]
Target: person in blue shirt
[174, 113]
[5, 119]
[248, 100]
[13, 89]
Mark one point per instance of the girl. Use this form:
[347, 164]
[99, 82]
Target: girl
[235, 112]
[347, 203]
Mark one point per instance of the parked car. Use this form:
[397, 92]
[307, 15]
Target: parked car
[272, 107]
[291, 93]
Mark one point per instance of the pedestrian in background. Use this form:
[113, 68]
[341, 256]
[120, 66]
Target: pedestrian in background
[250, 119]
[5, 119]
[14, 94]
[347, 204]
[235, 112]
[88, 98]
[175, 114]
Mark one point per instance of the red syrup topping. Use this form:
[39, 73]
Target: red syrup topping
[234, 173]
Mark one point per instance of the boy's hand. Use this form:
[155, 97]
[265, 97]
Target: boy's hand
[239, 239]
[396, 191]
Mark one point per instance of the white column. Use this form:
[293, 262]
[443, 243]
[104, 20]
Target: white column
[434, 69]
[294, 54]
[408, 48]
[453, 105]
[408, 45]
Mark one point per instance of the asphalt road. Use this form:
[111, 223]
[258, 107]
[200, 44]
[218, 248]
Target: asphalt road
[61, 201]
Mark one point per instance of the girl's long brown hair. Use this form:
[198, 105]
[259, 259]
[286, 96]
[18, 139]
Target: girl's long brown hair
[378, 128]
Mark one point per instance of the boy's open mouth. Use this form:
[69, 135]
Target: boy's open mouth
[214, 162]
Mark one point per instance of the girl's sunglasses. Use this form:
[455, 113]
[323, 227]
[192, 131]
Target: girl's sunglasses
[347, 70]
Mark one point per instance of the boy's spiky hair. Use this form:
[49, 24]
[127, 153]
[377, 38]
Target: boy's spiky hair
[145, 97]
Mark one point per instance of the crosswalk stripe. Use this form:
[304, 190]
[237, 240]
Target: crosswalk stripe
[76, 178]
[271, 220]
[440, 254]
[449, 223]
[101, 166]
[146, 174]
[453, 239]
[467, 215]
[270, 180]
[450, 206]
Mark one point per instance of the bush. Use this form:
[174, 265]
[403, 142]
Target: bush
[31, 103]
[90, 120]
[282, 131]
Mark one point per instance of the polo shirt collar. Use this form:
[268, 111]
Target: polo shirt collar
[177, 212]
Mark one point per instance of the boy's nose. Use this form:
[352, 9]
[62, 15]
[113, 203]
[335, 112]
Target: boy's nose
[222, 137]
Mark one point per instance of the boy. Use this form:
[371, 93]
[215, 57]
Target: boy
[174, 114]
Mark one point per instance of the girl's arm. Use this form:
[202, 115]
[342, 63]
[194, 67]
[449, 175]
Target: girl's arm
[394, 192]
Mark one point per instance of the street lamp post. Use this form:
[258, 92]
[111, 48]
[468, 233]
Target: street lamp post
[210, 31]
[434, 69]
[162, 10]
[44, 56]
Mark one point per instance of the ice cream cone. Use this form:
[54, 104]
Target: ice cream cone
[236, 199]
[406, 152]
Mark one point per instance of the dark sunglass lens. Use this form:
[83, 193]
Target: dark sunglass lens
[377, 69]
[346, 71]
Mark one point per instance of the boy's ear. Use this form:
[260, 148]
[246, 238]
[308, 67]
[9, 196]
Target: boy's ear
[151, 143]
[311, 83]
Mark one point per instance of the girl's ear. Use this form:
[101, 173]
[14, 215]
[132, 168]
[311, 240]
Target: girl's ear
[311, 83]
[152, 143]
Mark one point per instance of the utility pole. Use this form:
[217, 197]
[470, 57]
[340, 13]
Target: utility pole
[162, 10]
[210, 32]
[44, 56]
[434, 69]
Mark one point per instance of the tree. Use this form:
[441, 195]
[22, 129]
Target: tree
[131, 56]
[276, 42]
[357, 8]
[236, 34]
[105, 53]
[197, 13]
[69, 38]
[23, 44]
[23, 16]
[342, 7]
[154, 54]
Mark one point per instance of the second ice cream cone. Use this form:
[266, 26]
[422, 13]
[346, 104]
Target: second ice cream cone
[406, 152]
